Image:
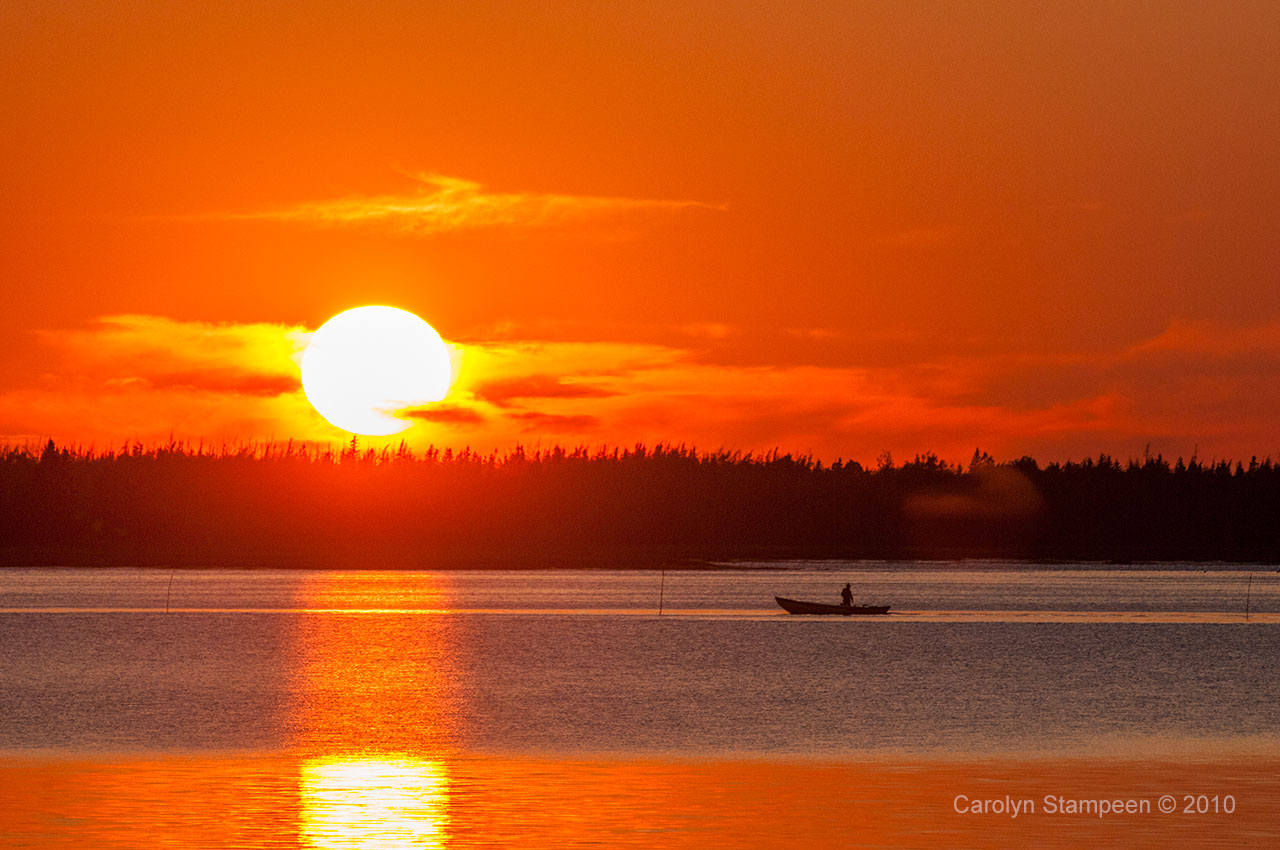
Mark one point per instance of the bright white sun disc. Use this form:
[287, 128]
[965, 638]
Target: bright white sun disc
[365, 365]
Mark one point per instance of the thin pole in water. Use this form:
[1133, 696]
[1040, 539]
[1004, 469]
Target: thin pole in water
[1247, 594]
[662, 590]
[169, 592]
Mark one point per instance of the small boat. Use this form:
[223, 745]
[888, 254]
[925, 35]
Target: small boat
[795, 606]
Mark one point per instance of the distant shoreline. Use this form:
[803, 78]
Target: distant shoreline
[665, 506]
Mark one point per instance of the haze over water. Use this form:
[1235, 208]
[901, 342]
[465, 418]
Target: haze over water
[442, 709]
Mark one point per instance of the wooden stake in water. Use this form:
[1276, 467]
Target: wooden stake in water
[662, 588]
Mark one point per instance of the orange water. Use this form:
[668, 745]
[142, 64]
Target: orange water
[332, 710]
[402, 801]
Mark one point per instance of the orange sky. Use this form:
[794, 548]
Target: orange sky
[836, 227]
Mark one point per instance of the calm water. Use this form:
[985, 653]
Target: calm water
[440, 709]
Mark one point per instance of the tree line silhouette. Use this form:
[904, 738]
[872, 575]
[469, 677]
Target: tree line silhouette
[293, 505]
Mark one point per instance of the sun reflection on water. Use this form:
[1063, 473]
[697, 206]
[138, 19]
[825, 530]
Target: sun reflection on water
[385, 804]
[364, 683]
[373, 708]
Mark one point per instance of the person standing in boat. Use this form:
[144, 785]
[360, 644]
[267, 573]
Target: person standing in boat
[846, 596]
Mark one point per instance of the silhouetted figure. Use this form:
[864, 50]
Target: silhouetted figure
[846, 596]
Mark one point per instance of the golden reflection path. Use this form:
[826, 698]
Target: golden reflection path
[375, 709]
[556, 804]
[380, 804]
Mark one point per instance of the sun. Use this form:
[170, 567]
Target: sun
[363, 367]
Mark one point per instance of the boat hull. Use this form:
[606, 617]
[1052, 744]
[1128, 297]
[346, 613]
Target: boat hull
[795, 606]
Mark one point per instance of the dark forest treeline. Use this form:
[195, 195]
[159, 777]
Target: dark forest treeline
[287, 505]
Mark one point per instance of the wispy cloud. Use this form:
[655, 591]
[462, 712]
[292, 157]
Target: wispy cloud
[448, 204]
[145, 377]
[449, 414]
[1213, 339]
[1193, 384]
[253, 357]
[560, 424]
[503, 392]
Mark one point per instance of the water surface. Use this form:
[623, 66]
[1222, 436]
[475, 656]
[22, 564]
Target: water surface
[397, 709]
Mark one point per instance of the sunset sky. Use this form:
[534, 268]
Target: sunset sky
[829, 227]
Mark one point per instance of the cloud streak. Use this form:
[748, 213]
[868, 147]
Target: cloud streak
[450, 414]
[451, 204]
[165, 350]
[504, 391]
[1194, 384]
[144, 377]
[1190, 385]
